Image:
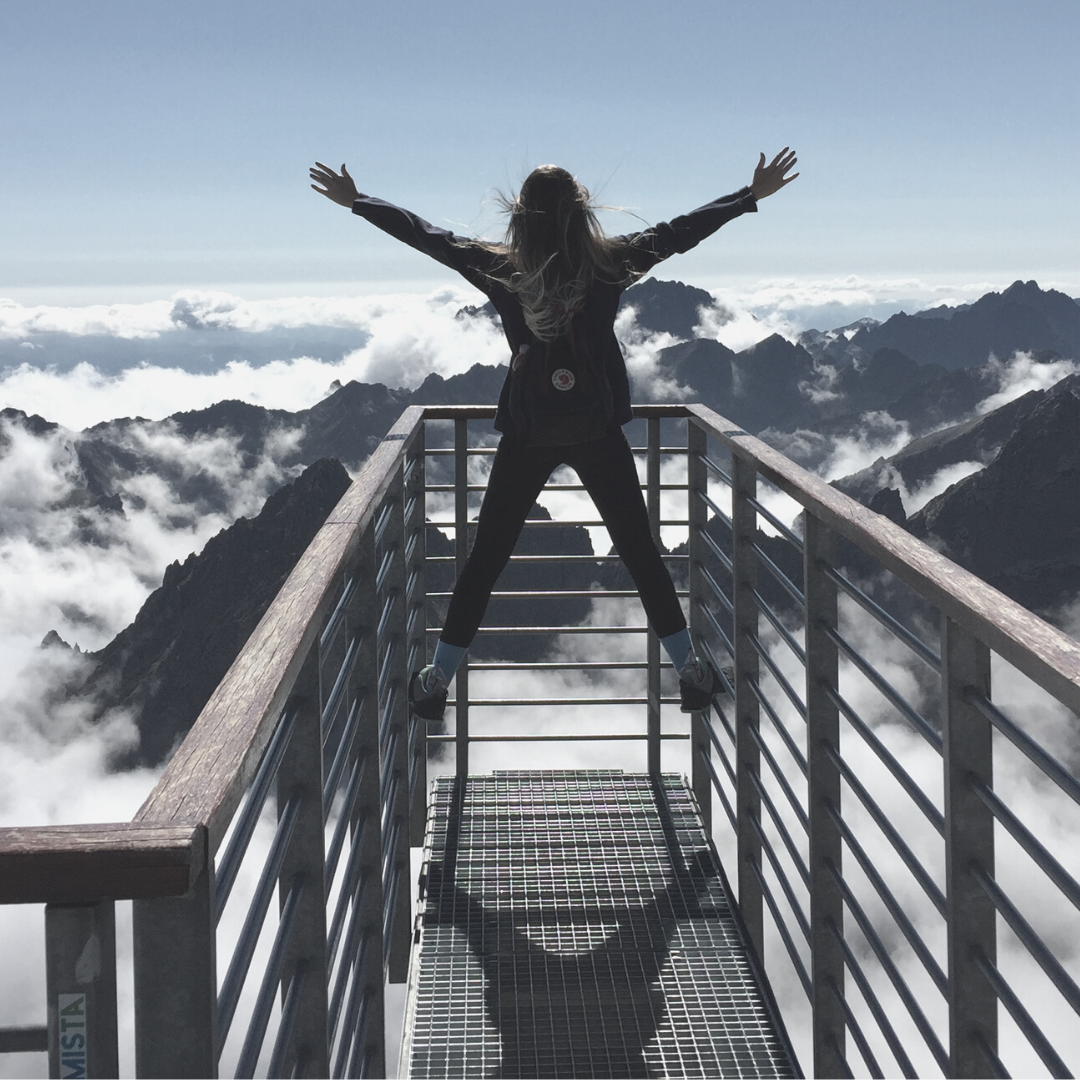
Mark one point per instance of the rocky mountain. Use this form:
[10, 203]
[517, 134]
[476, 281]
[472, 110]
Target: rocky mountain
[1017, 522]
[798, 394]
[1023, 316]
[165, 665]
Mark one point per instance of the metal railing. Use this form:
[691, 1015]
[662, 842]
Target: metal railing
[854, 757]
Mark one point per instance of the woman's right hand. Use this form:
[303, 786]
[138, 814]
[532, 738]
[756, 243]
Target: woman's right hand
[769, 179]
[339, 189]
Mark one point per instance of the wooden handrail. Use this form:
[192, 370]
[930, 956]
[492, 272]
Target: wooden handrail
[73, 864]
[207, 777]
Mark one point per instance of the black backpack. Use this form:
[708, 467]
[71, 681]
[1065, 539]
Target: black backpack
[559, 392]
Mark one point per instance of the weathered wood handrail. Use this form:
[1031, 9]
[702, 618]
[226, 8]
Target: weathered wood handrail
[70, 864]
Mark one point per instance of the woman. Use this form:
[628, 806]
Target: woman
[556, 282]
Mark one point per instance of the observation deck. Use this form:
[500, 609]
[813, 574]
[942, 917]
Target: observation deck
[860, 861]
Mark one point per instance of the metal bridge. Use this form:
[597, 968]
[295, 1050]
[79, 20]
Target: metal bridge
[870, 868]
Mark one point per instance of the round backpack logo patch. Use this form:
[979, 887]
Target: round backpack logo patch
[563, 379]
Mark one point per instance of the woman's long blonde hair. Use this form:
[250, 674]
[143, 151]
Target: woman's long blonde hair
[556, 249]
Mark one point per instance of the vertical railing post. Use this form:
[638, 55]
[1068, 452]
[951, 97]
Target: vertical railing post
[461, 555]
[300, 776]
[747, 711]
[175, 945]
[652, 648]
[416, 626]
[368, 1041]
[396, 767]
[80, 979]
[969, 841]
[823, 794]
[697, 513]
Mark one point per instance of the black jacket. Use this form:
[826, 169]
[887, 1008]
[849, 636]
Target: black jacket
[480, 268]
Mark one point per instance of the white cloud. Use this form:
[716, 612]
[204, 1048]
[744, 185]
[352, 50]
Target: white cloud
[1020, 375]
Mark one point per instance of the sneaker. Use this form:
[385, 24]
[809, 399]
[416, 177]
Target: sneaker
[427, 693]
[698, 685]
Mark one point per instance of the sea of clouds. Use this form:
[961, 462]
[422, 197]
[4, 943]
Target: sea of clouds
[82, 570]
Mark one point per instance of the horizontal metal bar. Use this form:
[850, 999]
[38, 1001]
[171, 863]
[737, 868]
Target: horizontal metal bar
[289, 1011]
[782, 929]
[552, 630]
[781, 877]
[916, 719]
[562, 665]
[781, 779]
[385, 566]
[356, 946]
[1042, 858]
[557, 594]
[264, 1003]
[338, 613]
[785, 835]
[557, 702]
[917, 646]
[384, 617]
[24, 1040]
[1029, 939]
[903, 778]
[997, 1067]
[1024, 1021]
[341, 754]
[782, 579]
[352, 888]
[472, 488]
[1026, 744]
[780, 628]
[794, 540]
[872, 1002]
[667, 736]
[779, 725]
[337, 841]
[561, 558]
[228, 866]
[717, 591]
[901, 987]
[715, 469]
[718, 788]
[781, 680]
[718, 630]
[229, 995]
[721, 555]
[340, 682]
[567, 523]
[893, 906]
[919, 872]
[718, 511]
[383, 519]
[869, 1060]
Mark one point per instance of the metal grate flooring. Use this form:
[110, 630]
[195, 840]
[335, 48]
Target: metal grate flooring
[576, 924]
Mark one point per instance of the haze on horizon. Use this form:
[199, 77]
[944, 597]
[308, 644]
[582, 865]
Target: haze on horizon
[154, 148]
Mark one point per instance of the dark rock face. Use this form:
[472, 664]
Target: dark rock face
[1017, 523]
[667, 306]
[168, 661]
[1022, 317]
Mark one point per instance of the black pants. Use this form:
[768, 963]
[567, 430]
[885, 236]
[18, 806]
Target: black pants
[606, 468]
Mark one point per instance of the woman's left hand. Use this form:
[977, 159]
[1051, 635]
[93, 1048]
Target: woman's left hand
[339, 189]
[769, 179]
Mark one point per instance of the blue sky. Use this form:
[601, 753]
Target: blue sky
[152, 146]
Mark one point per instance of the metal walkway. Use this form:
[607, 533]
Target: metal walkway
[578, 924]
